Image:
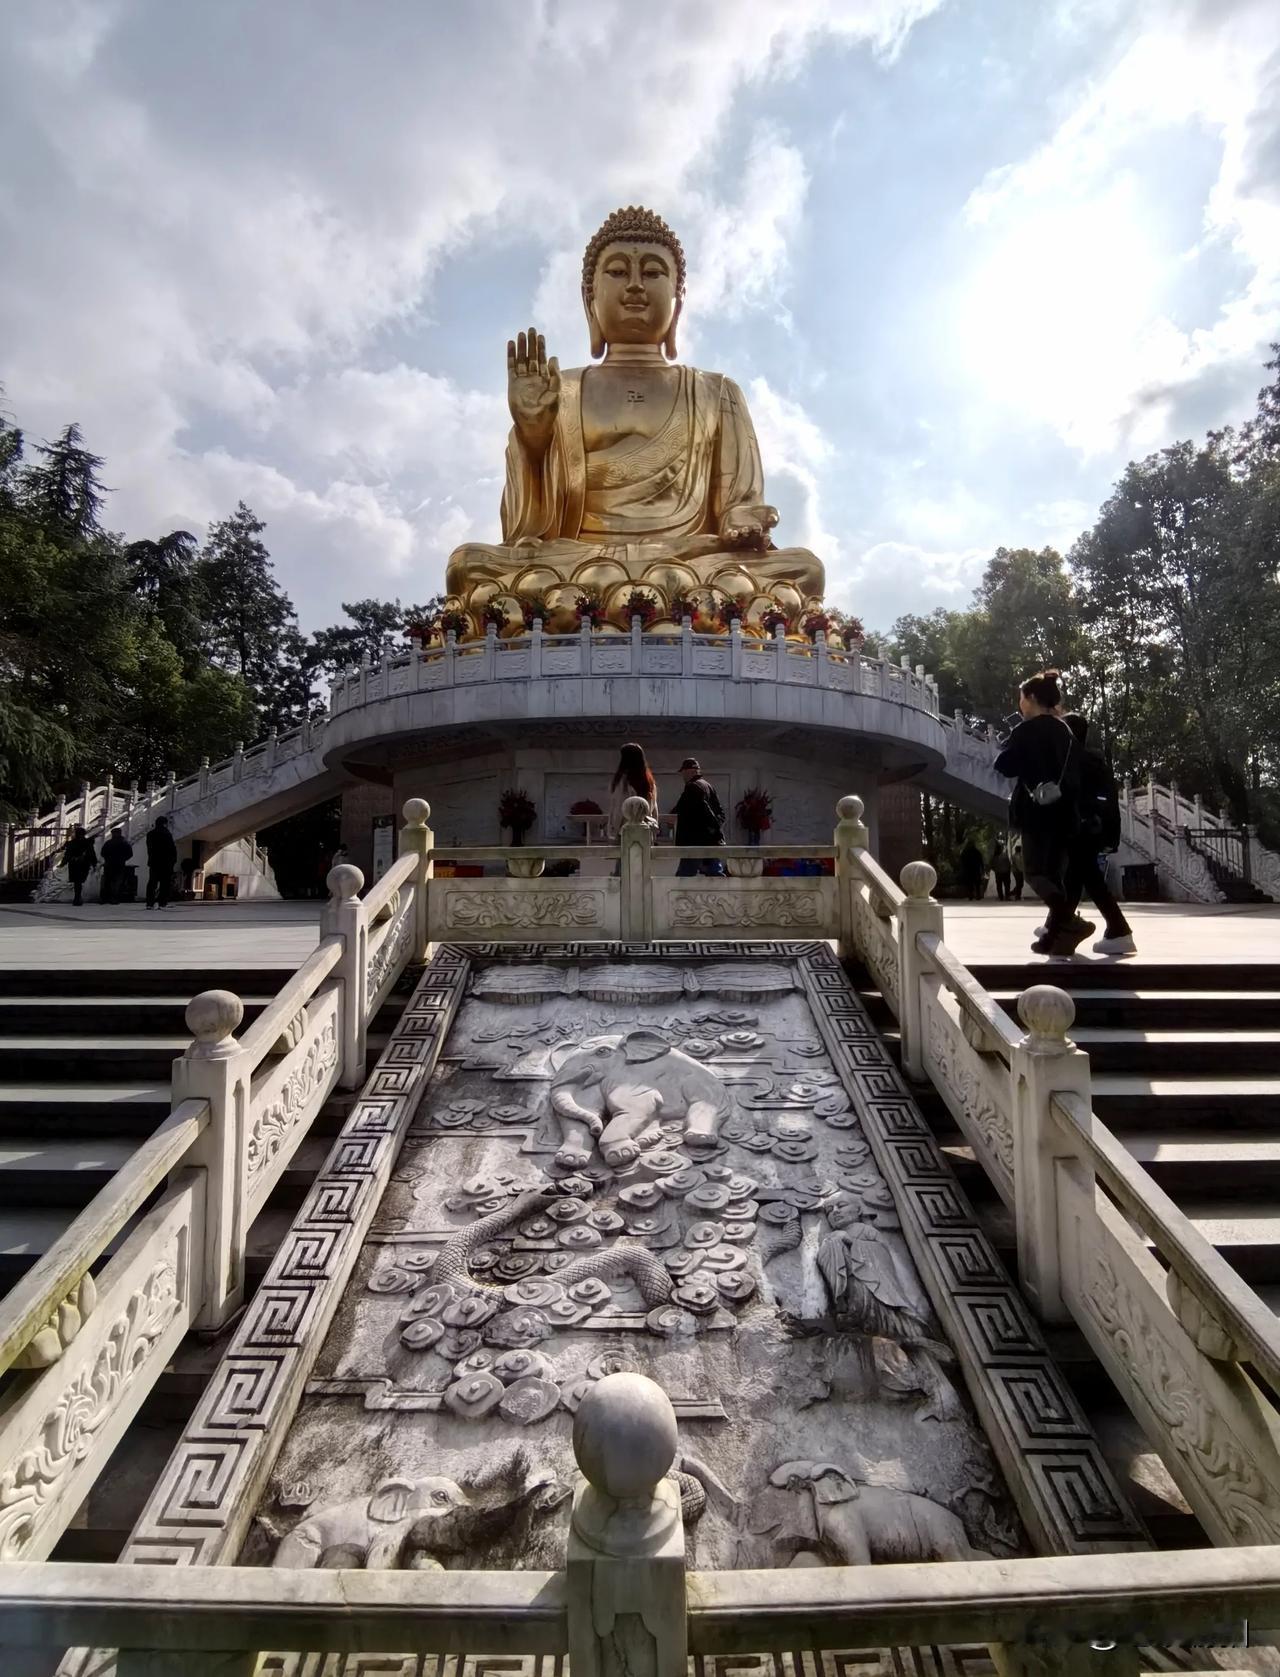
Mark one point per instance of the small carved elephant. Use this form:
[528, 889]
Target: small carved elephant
[617, 1087]
[857, 1524]
[404, 1522]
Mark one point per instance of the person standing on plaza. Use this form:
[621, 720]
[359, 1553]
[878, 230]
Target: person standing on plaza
[80, 859]
[116, 853]
[1016, 861]
[1098, 832]
[1041, 755]
[162, 859]
[699, 819]
[632, 778]
[971, 871]
[1002, 869]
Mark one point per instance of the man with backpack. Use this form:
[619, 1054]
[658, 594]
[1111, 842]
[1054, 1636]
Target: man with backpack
[699, 819]
[1098, 831]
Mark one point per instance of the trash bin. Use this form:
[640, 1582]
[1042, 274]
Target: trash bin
[1140, 883]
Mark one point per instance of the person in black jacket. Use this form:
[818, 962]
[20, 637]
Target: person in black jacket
[116, 852]
[699, 819]
[1042, 756]
[162, 859]
[81, 859]
[1099, 830]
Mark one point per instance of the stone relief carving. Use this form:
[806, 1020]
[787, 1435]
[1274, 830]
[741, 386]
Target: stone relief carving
[614, 1088]
[391, 951]
[272, 1122]
[948, 1056]
[31, 1482]
[1201, 1435]
[738, 910]
[524, 911]
[415, 1522]
[851, 1523]
[874, 945]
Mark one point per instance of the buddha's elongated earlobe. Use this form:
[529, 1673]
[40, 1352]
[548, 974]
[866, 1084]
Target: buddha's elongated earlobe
[669, 342]
[598, 344]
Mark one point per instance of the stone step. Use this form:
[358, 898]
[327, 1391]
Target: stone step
[78, 1108]
[106, 1016]
[1187, 1052]
[85, 1058]
[1169, 1102]
[142, 981]
[1188, 1010]
[40, 1172]
[1096, 973]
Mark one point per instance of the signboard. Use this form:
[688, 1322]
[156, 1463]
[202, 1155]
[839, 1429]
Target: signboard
[384, 844]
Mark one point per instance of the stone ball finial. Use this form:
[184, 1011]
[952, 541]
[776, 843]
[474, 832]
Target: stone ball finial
[624, 1436]
[344, 881]
[417, 812]
[212, 1017]
[850, 808]
[635, 810]
[1047, 1012]
[918, 879]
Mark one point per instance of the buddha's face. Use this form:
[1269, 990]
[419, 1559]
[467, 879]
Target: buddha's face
[635, 293]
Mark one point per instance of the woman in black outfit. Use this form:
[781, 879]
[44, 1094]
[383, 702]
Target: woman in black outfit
[1042, 756]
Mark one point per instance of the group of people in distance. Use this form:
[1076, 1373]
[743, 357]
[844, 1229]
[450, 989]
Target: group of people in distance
[1066, 808]
[700, 818]
[81, 859]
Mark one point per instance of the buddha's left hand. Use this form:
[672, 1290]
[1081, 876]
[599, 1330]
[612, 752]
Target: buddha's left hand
[748, 526]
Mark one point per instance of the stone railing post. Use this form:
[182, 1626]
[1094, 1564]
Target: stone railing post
[625, 1574]
[637, 643]
[1044, 1063]
[820, 658]
[1249, 849]
[490, 651]
[269, 752]
[415, 835]
[635, 882]
[535, 650]
[851, 834]
[6, 849]
[237, 761]
[204, 777]
[584, 645]
[170, 788]
[213, 1069]
[917, 912]
[735, 648]
[345, 916]
[450, 657]
[364, 678]
[686, 645]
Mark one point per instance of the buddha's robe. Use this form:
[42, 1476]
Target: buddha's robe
[639, 501]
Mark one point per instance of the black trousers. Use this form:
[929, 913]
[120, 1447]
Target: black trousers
[1044, 861]
[77, 881]
[1085, 874]
[159, 881]
[112, 885]
[1002, 887]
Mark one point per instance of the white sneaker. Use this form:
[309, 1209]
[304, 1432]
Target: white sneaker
[1123, 945]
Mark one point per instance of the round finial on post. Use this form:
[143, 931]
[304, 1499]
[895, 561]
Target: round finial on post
[1048, 1014]
[850, 808]
[344, 881]
[918, 879]
[635, 811]
[624, 1436]
[213, 1017]
[417, 812]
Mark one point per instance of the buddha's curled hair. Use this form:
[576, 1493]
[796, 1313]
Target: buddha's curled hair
[635, 225]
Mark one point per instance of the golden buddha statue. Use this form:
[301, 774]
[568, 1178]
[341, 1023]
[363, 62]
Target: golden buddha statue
[636, 473]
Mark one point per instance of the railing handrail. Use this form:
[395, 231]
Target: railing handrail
[399, 873]
[257, 1042]
[978, 1003]
[879, 880]
[59, 1270]
[1140, 1196]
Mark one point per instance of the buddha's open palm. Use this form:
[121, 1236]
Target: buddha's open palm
[533, 389]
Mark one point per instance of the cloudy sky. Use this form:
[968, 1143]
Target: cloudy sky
[966, 257]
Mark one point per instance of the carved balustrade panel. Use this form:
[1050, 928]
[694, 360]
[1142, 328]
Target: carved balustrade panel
[390, 945]
[975, 1086]
[59, 1428]
[875, 942]
[702, 906]
[635, 1161]
[516, 910]
[1218, 1434]
[287, 1097]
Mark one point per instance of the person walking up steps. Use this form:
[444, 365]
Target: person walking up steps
[80, 859]
[1041, 755]
[699, 819]
[1099, 831]
[162, 859]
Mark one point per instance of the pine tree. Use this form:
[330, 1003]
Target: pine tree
[250, 625]
[65, 494]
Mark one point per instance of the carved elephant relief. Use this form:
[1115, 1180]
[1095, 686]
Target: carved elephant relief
[617, 1088]
[407, 1523]
[854, 1524]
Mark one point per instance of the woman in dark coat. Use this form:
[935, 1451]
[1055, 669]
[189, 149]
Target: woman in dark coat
[80, 859]
[1042, 756]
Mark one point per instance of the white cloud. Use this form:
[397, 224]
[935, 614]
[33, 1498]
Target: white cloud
[1068, 312]
[794, 449]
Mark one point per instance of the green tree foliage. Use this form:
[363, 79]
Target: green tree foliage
[373, 627]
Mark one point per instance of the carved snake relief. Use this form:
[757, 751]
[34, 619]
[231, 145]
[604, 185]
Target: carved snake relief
[652, 1279]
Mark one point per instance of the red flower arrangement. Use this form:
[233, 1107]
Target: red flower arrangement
[517, 810]
[755, 810]
[585, 806]
[642, 604]
[730, 612]
[496, 614]
[685, 605]
[816, 623]
[590, 607]
[773, 620]
[532, 608]
[852, 632]
[422, 631]
[454, 623]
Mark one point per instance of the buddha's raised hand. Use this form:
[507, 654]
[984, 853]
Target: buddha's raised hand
[533, 389]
